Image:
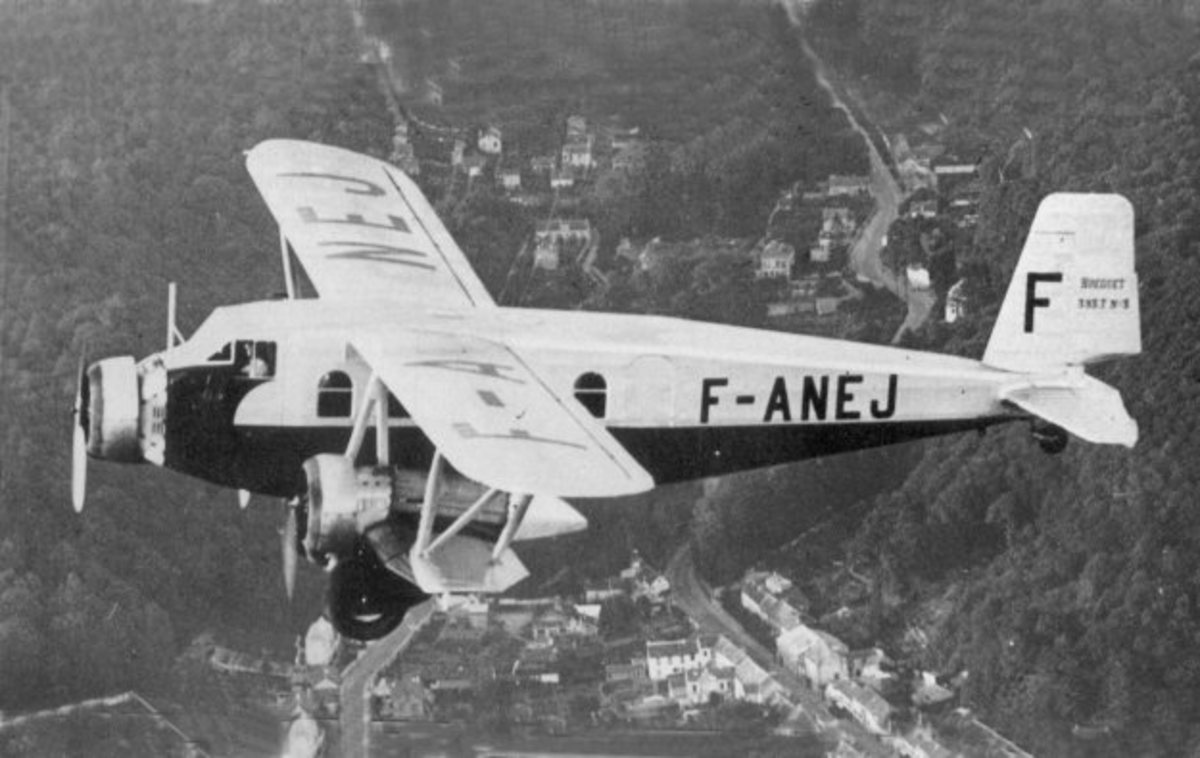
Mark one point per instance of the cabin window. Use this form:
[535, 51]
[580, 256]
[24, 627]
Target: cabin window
[592, 393]
[254, 359]
[335, 395]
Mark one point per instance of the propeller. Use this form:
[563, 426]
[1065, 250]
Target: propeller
[290, 537]
[79, 456]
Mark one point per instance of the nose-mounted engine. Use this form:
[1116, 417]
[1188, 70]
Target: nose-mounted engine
[111, 404]
[120, 415]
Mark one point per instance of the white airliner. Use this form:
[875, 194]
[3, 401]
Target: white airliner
[494, 414]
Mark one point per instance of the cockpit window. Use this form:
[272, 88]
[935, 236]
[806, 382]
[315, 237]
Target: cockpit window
[253, 359]
[335, 395]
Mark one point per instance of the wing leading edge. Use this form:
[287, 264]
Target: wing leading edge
[495, 420]
[360, 228]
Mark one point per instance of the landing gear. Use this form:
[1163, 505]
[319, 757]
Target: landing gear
[1051, 438]
[366, 600]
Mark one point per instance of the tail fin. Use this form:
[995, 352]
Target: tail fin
[1073, 299]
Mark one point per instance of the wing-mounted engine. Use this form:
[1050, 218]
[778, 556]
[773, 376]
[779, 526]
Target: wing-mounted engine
[391, 536]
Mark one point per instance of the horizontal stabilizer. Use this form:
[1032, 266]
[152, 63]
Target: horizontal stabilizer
[464, 564]
[1084, 406]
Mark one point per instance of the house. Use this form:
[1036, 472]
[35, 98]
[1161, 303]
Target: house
[848, 186]
[920, 743]
[542, 164]
[823, 250]
[813, 654]
[457, 152]
[758, 598]
[561, 179]
[407, 699]
[671, 657]
[956, 301]
[563, 230]
[929, 692]
[703, 684]
[800, 288]
[775, 261]
[513, 616]
[470, 609]
[537, 665]
[545, 255]
[598, 593]
[923, 204]
[634, 671]
[917, 276]
[490, 140]
[577, 153]
[866, 706]
[474, 164]
[548, 626]
[951, 172]
[754, 683]
[509, 178]
[623, 138]
[867, 666]
[576, 127]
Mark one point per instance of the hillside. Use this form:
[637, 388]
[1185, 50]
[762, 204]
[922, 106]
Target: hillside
[1068, 584]
[128, 122]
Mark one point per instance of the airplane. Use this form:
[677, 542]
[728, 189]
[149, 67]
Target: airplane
[417, 429]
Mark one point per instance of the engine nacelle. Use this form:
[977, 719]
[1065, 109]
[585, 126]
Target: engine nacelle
[109, 396]
[342, 502]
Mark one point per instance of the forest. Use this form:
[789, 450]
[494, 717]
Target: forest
[1066, 586]
[126, 125]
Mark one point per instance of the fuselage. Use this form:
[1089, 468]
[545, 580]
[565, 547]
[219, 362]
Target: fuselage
[261, 387]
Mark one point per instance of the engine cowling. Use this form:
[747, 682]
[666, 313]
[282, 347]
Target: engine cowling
[341, 503]
[109, 396]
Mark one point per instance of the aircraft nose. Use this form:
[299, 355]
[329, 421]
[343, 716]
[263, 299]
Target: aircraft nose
[111, 399]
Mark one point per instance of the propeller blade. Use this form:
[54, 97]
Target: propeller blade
[290, 557]
[79, 469]
[79, 455]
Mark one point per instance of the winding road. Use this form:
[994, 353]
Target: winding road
[888, 195]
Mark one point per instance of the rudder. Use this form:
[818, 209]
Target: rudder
[1073, 298]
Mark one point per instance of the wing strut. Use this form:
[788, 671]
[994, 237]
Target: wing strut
[518, 506]
[459, 523]
[429, 505]
[376, 399]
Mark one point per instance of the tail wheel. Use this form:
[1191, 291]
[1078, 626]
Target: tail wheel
[1051, 438]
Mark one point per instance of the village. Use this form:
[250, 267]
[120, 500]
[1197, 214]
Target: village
[802, 254]
[623, 655]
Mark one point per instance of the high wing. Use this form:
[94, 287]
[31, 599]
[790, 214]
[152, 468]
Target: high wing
[360, 228]
[495, 420]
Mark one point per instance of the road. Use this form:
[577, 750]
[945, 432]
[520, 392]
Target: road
[359, 676]
[886, 191]
[693, 597]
